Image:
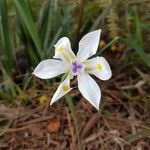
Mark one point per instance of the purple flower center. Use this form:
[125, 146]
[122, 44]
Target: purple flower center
[76, 67]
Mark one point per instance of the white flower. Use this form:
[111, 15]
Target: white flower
[65, 61]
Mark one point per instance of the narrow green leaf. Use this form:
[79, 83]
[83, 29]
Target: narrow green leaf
[145, 57]
[25, 15]
[42, 13]
[138, 34]
[42, 20]
[6, 128]
[55, 39]
[49, 24]
[22, 96]
[101, 17]
[8, 83]
[6, 36]
[69, 101]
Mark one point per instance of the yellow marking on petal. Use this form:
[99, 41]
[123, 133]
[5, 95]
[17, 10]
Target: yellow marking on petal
[61, 48]
[65, 54]
[99, 67]
[65, 88]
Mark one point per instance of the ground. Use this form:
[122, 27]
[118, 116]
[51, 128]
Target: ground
[121, 124]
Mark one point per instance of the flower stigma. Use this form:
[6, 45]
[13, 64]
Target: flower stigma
[76, 67]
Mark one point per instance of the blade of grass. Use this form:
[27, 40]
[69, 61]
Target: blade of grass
[54, 40]
[22, 96]
[43, 21]
[69, 101]
[7, 45]
[8, 84]
[138, 34]
[11, 89]
[5, 96]
[49, 24]
[100, 17]
[6, 128]
[29, 49]
[136, 42]
[24, 13]
[145, 57]
[42, 14]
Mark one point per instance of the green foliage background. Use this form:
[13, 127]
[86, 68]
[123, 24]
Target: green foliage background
[30, 28]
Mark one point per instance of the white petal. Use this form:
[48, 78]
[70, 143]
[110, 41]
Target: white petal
[63, 50]
[89, 89]
[99, 67]
[88, 45]
[50, 68]
[63, 89]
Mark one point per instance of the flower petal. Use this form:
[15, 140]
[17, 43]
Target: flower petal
[88, 45]
[99, 67]
[63, 50]
[63, 89]
[50, 68]
[89, 89]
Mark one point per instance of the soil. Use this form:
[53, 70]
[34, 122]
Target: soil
[121, 124]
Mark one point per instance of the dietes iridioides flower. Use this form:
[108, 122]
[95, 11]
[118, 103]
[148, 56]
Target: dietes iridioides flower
[65, 61]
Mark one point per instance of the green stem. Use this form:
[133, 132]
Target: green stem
[71, 108]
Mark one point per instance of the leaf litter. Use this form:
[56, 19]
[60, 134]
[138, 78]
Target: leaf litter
[122, 123]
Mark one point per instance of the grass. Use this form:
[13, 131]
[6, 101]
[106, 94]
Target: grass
[6, 37]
